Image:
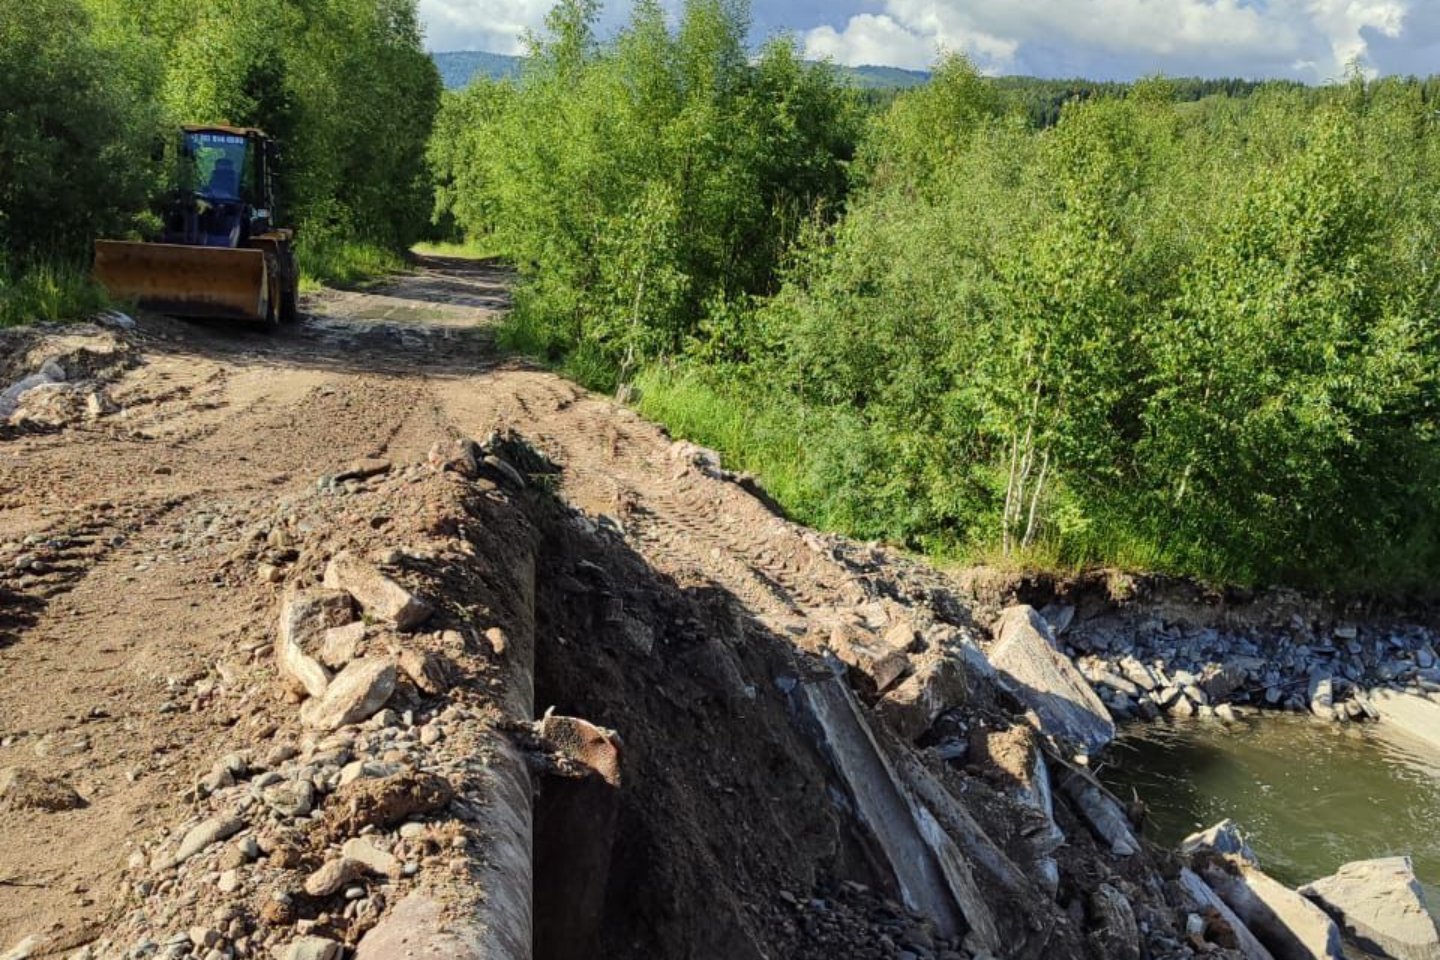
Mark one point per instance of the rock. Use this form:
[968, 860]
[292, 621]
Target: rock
[211, 831]
[1206, 901]
[428, 671]
[1059, 616]
[342, 644]
[1425, 658]
[332, 875]
[1139, 674]
[203, 937]
[1224, 838]
[25, 949]
[936, 684]
[864, 653]
[362, 851]
[1101, 811]
[1322, 696]
[1045, 680]
[356, 693]
[305, 615]
[1221, 681]
[1290, 927]
[1381, 906]
[380, 596]
[1113, 927]
[309, 948]
[457, 456]
[363, 470]
[22, 789]
[1227, 713]
[373, 769]
[1414, 714]
[295, 799]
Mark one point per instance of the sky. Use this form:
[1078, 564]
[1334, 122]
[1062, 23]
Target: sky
[1308, 40]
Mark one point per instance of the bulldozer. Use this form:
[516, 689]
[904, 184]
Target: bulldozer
[220, 253]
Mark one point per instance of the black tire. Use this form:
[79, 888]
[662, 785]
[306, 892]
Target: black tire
[275, 302]
[290, 295]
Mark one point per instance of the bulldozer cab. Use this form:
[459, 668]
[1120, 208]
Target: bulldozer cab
[226, 185]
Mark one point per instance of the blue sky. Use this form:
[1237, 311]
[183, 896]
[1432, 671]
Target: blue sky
[1309, 40]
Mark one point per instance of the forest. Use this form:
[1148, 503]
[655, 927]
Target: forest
[1165, 326]
[1178, 326]
[96, 90]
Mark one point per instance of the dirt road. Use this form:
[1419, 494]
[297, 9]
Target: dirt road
[126, 541]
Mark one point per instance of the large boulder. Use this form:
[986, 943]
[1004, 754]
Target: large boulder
[357, 693]
[1381, 907]
[1062, 702]
[380, 596]
[1412, 713]
[305, 617]
[936, 684]
[1290, 927]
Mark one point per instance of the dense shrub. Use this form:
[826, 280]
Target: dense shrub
[643, 184]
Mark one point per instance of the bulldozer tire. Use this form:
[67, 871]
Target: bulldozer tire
[275, 308]
[290, 295]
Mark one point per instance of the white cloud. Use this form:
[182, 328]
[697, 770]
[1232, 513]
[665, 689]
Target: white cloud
[494, 25]
[1311, 39]
[871, 39]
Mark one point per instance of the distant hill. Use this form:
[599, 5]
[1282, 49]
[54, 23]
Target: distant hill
[458, 68]
[885, 78]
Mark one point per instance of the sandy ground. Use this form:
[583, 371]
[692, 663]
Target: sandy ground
[138, 519]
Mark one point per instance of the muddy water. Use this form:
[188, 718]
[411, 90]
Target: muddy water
[1310, 796]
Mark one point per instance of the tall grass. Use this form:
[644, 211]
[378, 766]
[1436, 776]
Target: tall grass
[325, 259]
[49, 292]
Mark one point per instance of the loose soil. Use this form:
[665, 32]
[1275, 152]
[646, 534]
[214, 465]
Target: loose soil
[140, 573]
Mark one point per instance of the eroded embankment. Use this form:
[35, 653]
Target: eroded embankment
[703, 786]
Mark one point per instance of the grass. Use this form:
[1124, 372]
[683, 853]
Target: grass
[764, 442]
[344, 262]
[468, 250]
[48, 293]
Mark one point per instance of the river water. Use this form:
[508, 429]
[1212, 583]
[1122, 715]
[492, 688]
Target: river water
[1308, 795]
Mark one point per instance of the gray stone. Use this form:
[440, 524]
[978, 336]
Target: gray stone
[1224, 837]
[362, 851]
[1101, 811]
[333, 875]
[211, 831]
[1045, 680]
[356, 693]
[1381, 906]
[309, 948]
[1322, 696]
[294, 799]
[1113, 924]
[379, 595]
[1138, 674]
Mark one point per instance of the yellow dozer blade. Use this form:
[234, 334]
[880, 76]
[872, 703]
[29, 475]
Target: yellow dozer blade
[186, 281]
